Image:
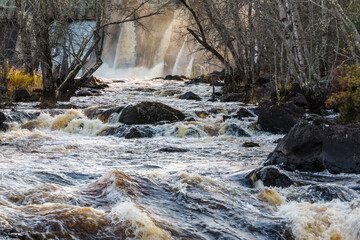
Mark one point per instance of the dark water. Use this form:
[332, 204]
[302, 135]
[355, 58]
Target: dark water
[63, 180]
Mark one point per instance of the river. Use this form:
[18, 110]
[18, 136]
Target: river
[60, 178]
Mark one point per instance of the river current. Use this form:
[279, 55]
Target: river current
[60, 178]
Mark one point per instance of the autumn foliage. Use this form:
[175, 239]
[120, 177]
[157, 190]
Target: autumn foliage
[347, 99]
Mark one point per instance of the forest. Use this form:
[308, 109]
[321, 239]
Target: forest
[180, 119]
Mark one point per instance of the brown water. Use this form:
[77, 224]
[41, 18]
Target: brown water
[62, 179]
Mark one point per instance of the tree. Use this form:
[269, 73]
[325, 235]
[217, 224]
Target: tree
[297, 41]
[62, 52]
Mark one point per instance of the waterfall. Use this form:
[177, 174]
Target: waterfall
[125, 56]
[189, 71]
[179, 57]
[164, 45]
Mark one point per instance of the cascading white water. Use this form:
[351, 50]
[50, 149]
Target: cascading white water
[140, 57]
[189, 70]
[175, 70]
[125, 53]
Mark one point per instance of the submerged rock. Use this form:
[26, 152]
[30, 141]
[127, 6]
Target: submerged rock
[21, 95]
[250, 144]
[130, 132]
[190, 96]
[279, 118]
[190, 119]
[84, 93]
[149, 113]
[237, 131]
[328, 193]
[315, 148]
[173, 150]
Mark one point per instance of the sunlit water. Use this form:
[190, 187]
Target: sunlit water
[61, 179]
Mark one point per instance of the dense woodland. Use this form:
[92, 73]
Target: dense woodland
[310, 42]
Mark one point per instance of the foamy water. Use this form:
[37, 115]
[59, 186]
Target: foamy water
[62, 178]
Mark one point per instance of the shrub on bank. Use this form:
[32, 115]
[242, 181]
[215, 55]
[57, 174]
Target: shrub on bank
[19, 78]
[347, 99]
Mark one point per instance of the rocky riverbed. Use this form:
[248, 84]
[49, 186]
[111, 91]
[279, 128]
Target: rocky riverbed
[139, 162]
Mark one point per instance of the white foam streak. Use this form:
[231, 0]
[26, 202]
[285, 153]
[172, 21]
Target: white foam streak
[138, 222]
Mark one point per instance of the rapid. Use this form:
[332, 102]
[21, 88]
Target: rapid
[62, 178]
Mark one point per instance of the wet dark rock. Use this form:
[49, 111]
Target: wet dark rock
[264, 92]
[130, 132]
[21, 95]
[133, 133]
[217, 111]
[18, 116]
[236, 130]
[272, 177]
[191, 132]
[173, 150]
[103, 112]
[243, 113]
[250, 144]
[2, 117]
[232, 97]
[84, 93]
[149, 113]
[169, 93]
[190, 96]
[190, 119]
[66, 106]
[3, 126]
[175, 77]
[95, 91]
[328, 193]
[145, 89]
[279, 118]
[315, 148]
[300, 100]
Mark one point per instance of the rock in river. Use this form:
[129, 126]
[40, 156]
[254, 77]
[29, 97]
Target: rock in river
[271, 177]
[279, 118]
[149, 113]
[190, 96]
[318, 147]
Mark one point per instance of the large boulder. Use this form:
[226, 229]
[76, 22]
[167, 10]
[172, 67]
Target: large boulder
[149, 113]
[21, 95]
[315, 147]
[279, 118]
